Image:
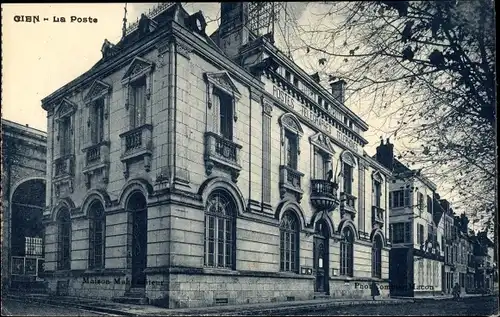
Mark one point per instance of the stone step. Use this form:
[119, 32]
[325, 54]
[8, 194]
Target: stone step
[321, 295]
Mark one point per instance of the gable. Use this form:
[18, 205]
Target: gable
[223, 81]
[323, 142]
[139, 66]
[97, 89]
[66, 108]
[290, 122]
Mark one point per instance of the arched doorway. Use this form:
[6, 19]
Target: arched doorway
[321, 257]
[27, 234]
[138, 207]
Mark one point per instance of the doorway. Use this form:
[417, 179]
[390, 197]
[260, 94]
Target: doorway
[137, 206]
[321, 258]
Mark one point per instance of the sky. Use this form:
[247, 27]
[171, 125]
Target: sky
[39, 58]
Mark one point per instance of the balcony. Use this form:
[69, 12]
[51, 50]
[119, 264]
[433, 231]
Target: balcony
[290, 182]
[64, 166]
[348, 203]
[223, 154]
[96, 161]
[137, 144]
[324, 194]
[377, 216]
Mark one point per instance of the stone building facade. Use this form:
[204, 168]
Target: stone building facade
[23, 200]
[416, 229]
[188, 170]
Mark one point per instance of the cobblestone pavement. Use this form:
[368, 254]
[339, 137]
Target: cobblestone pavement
[474, 306]
[11, 307]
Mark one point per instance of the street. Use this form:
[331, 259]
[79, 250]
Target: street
[474, 306]
[11, 307]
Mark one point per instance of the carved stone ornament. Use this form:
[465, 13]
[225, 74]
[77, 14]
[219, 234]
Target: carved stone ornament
[138, 66]
[183, 50]
[323, 142]
[267, 108]
[348, 158]
[377, 177]
[290, 122]
[66, 108]
[97, 90]
[223, 80]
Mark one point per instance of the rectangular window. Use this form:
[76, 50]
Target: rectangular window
[420, 201]
[138, 103]
[288, 77]
[295, 81]
[347, 178]
[377, 192]
[401, 232]
[291, 150]
[407, 198]
[65, 136]
[321, 169]
[429, 204]
[398, 199]
[226, 116]
[97, 121]
[420, 234]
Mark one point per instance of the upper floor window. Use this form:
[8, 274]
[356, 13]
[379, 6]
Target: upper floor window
[64, 240]
[377, 193]
[225, 104]
[348, 163]
[64, 118]
[291, 131]
[420, 202]
[401, 232]
[420, 234]
[137, 103]
[429, 204]
[292, 149]
[323, 153]
[222, 96]
[322, 165]
[289, 243]
[97, 121]
[97, 235]
[137, 79]
[65, 140]
[400, 198]
[220, 231]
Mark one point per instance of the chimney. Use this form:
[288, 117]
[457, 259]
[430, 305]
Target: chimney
[338, 90]
[233, 32]
[385, 154]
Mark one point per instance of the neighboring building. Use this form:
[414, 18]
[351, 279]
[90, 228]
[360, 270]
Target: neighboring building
[189, 171]
[24, 151]
[416, 257]
[486, 277]
[461, 251]
[449, 258]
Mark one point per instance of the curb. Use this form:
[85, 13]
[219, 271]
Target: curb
[62, 303]
[222, 312]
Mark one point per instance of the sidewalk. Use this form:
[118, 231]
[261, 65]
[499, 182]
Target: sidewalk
[244, 309]
[439, 297]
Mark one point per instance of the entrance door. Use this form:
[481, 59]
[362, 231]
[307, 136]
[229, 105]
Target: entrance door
[139, 239]
[321, 259]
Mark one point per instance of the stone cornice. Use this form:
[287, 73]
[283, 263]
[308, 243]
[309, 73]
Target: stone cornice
[325, 94]
[122, 59]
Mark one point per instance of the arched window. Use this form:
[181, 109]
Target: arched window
[289, 243]
[97, 235]
[64, 240]
[220, 229]
[377, 257]
[346, 252]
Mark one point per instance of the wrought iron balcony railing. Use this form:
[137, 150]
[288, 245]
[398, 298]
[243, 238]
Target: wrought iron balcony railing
[324, 194]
